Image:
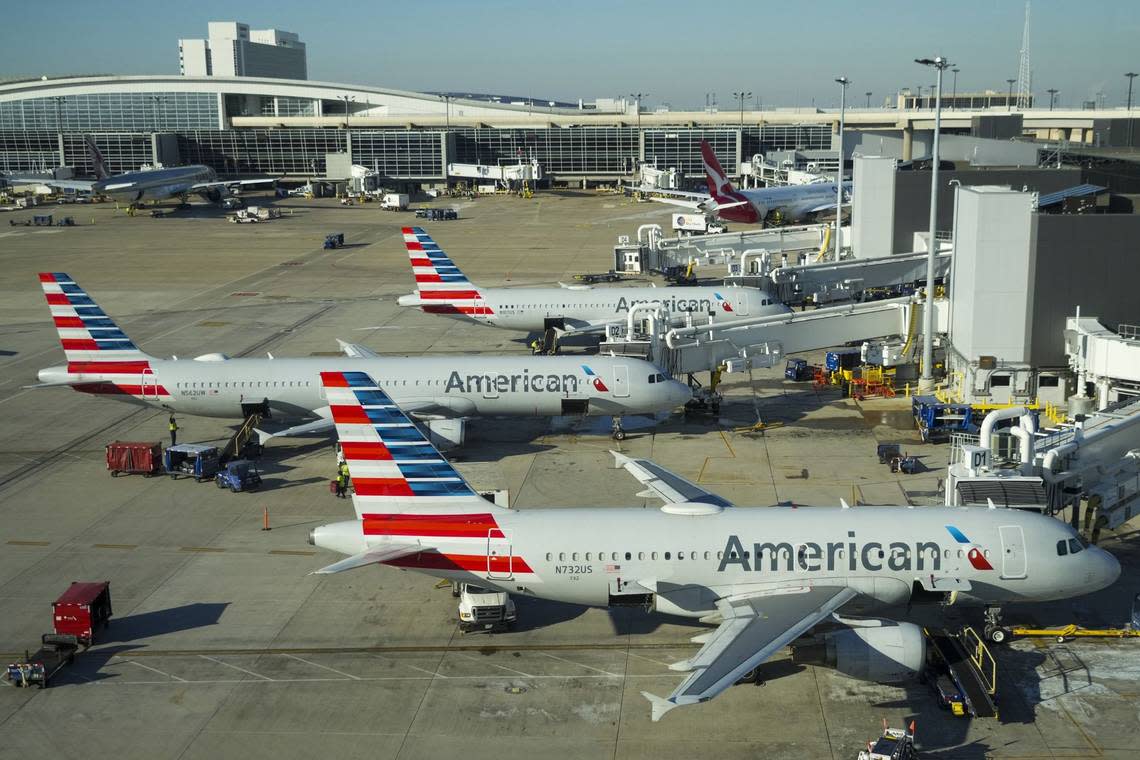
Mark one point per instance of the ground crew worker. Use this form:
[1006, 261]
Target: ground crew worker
[173, 431]
[536, 346]
[341, 483]
[347, 476]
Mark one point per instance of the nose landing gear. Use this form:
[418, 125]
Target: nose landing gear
[994, 630]
[617, 432]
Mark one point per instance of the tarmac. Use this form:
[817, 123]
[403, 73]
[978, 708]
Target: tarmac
[223, 644]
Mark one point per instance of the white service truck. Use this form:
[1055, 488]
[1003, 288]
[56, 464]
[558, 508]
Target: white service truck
[694, 224]
[483, 609]
[395, 202]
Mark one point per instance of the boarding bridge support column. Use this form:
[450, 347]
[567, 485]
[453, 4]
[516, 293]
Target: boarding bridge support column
[908, 142]
[348, 146]
[873, 207]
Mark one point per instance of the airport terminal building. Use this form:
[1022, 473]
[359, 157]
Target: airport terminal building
[250, 125]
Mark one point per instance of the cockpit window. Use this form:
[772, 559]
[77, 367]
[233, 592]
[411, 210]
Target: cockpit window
[653, 378]
[1075, 545]
[1062, 548]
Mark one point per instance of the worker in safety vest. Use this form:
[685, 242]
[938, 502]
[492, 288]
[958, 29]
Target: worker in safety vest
[173, 431]
[341, 483]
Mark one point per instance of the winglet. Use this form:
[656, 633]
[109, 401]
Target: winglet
[620, 459]
[843, 503]
[991, 504]
[660, 705]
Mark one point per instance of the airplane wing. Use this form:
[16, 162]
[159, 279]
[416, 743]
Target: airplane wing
[231, 183]
[63, 184]
[665, 485]
[356, 351]
[383, 553]
[755, 627]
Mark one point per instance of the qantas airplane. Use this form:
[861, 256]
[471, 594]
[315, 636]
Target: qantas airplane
[102, 360]
[443, 289]
[764, 577]
[793, 203]
[147, 184]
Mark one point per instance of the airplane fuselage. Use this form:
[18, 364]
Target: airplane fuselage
[603, 557]
[455, 385]
[792, 202]
[535, 309]
[154, 184]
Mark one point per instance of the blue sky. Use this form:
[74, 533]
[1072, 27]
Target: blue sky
[786, 52]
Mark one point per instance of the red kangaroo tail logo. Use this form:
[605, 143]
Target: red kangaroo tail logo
[718, 181]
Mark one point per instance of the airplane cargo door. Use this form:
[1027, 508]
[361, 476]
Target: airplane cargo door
[149, 384]
[621, 381]
[1012, 551]
[499, 558]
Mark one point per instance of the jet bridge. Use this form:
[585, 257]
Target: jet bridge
[1091, 467]
[738, 344]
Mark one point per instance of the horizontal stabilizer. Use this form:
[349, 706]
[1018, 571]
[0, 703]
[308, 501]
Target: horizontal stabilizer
[370, 557]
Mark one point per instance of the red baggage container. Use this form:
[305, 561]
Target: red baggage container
[139, 457]
[83, 609]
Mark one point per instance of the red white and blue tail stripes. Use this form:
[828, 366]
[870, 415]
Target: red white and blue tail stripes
[442, 288]
[85, 330]
[392, 464]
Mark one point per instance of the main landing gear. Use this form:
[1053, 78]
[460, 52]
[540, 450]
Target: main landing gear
[617, 432]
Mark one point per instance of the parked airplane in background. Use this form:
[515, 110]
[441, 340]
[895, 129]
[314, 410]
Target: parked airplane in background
[146, 184]
[764, 576]
[443, 289]
[792, 203]
[441, 390]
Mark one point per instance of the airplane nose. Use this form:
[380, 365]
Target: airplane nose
[1111, 569]
[679, 393]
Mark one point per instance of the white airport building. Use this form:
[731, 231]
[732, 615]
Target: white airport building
[232, 49]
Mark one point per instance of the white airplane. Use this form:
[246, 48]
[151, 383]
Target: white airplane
[147, 184]
[441, 390]
[443, 289]
[792, 203]
[764, 577]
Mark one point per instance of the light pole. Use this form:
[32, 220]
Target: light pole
[926, 382]
[637, 96]
[954, 100]
[59, 127]
[346, 99]
[1009, 97]
[447, 112]
[1131, 76]
[1052, 97]
[868, 100]
[741, 96]
[843, 82]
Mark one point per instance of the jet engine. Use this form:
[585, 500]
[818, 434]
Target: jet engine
[213, 195]
[877, 650]
[446, 434]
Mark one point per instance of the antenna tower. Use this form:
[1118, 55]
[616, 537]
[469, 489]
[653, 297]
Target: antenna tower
[1024, 78]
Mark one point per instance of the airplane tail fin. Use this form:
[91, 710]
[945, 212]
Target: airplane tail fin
[719, 185]
[441, 287]
[86, 333]
[97, 158]
[395, 469]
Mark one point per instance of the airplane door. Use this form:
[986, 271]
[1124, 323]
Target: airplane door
[1012, 551]
[621, 381]
[149, 385]
[480, 311]
[499, 557]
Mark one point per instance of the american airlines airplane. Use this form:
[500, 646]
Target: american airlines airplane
[764, 577]
[441, 390]
[443, 289]
[147, 184]
[792, 203]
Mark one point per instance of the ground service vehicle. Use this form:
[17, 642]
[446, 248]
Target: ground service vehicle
[197, 460]
[134, 458]
[239, 475]
[82, 610]
[56, 652]
[483, 609]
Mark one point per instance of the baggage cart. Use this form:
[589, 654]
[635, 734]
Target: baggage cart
[82, 610]
[134, 458]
